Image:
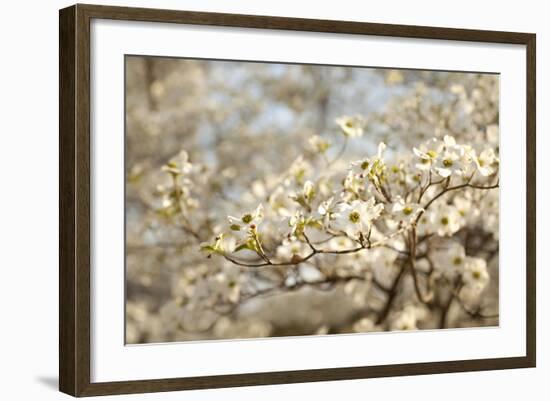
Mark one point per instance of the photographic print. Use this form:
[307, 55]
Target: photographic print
[268, 199]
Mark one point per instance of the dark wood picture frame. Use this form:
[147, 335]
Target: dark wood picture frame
[74, 199]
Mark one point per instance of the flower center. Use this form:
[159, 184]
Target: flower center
[349, 124]
[476, 275]
[365, 165]
[247, 218]
[447, 162]
[481, 162]
[445, 220]
[407, 210]
[354, 217]
[431, 153]
[457, 261]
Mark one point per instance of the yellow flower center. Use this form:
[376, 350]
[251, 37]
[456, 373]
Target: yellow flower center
[407, 210]
[247, 218]
[432, 154]
[457, 261]
[444, 221]
[365, 165]
[349, 124]
[354, 217]
[447, 162]
[476, 274]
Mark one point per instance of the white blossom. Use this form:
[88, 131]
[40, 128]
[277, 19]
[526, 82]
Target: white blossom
[408, 318]
[306, 195]
[449, 163]
[250, 219]
[364, 325]
[179, 164]
[318, 144]
[355, 218]
[351, 126]
[428, 153]
[486, 162]
[475, 275]
[406, 212]
[449, 259]
[227, 284]
[446, 220]
[292, 249]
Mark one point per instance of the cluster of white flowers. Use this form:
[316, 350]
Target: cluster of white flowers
[176, 190]
[382, 212]
[447, 158]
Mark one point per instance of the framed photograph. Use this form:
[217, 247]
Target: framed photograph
[250, 200]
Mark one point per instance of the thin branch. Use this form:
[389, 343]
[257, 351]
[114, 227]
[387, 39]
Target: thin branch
[314, 251]
[392, 293]
[449, 189]
[475, 314]
[426, 299]
[340, 153]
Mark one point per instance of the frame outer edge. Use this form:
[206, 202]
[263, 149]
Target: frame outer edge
[302, 24]
[74, 203]
[82, 200]
[67, 177]
[74, 200]
[531, 245]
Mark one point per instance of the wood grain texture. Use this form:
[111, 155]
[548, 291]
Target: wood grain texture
[67, 290]
[531, 178]
[74, 199]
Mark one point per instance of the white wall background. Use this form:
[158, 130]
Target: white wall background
[29, 184]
